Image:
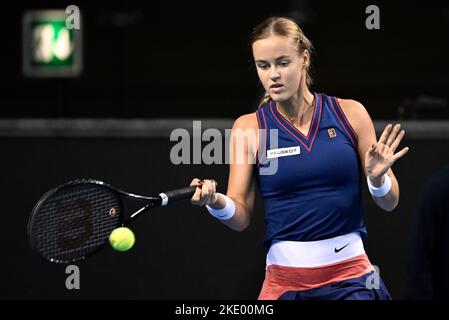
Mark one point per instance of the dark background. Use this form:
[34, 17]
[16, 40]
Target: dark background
[191, 60]
[181, 252]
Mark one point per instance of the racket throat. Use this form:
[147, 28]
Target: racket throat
[139, 212]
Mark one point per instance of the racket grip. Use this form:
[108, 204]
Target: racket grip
[177, 195]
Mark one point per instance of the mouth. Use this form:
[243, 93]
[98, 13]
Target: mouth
[276, 88]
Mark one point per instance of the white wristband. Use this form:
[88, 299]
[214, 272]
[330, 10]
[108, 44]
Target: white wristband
[225, 213]
[383, 189]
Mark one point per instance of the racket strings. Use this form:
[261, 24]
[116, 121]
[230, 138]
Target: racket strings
[75, 222]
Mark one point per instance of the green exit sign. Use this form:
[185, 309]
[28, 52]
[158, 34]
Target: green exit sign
[51, 46]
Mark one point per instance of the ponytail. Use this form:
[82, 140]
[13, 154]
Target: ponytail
[266, 99]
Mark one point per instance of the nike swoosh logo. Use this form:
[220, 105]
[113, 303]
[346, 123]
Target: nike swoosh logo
[338, 250]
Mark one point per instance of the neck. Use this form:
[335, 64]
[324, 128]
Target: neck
[298, 106]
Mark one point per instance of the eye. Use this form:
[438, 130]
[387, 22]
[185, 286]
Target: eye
[284, 63]
[262, 66]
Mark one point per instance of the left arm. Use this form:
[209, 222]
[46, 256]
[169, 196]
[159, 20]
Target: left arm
[377, 157]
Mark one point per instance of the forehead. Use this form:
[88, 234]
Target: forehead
[272, 47]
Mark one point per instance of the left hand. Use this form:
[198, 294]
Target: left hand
[380, 156]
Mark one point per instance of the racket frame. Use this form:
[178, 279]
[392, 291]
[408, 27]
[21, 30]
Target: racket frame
[150, 202]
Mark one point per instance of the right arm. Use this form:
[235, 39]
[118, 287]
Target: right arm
[241, 183]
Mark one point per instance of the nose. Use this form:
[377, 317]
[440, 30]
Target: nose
[274, 74]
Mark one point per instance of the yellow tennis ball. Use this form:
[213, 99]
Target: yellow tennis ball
[122, 239]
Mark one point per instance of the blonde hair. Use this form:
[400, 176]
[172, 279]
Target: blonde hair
[284, 27]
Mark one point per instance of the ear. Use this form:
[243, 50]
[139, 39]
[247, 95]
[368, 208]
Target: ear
[306, 58]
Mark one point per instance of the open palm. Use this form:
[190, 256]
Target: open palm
[380, 156]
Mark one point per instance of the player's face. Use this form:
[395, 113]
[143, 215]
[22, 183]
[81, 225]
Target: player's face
[279, 65]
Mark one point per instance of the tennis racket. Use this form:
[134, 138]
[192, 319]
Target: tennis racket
[74, 221]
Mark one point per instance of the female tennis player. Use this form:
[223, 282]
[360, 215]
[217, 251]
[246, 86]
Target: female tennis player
[313, 199]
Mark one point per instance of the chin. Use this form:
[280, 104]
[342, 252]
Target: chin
[279, 97]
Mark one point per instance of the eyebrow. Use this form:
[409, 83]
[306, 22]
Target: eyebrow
[277, 59]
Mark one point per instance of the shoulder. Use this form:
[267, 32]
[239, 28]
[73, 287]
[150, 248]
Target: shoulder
[356, 114]
[247, 126]
[246, 121]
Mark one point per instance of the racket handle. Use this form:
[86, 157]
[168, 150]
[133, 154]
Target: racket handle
[177, 195]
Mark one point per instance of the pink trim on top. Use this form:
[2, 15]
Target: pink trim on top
[318, 123]
[286, 128]
[344, 116]
[294, 128]
[344, 127]
[259, 143]
[265, 135]
[311, 126]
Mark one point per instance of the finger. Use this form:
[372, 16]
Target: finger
[393, 134]
[383, 137]
[373, 149]
[195, 182]
[380, 148]
[213, 195]
[376, 150]
[215, 184]
[204, 194]
[397, 141]
[401, 153]
[212, 185]
[204, 191]
[196, 198]
[197, 195]
[209, 194]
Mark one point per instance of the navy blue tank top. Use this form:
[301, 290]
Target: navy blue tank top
[310, 185]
